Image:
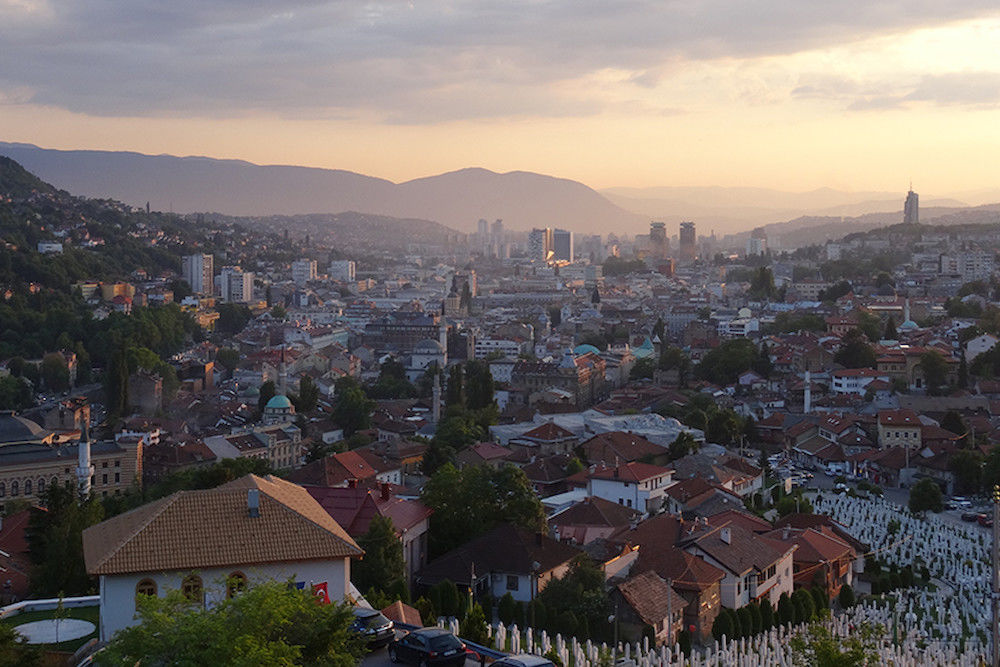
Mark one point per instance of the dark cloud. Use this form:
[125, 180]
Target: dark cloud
[408, 62]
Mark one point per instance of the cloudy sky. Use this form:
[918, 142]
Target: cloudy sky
[790, 94]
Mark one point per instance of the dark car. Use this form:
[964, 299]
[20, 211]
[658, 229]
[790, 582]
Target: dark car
[971, 517]
[428, 646]
[376, 629]
[985, 520]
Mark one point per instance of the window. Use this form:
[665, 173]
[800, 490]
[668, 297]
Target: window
[3, 489]
[41, 486]
[27, 487]
[236, 583]
[118, 464]
[104, 478]
[191, 588]
[512, 582]
[14, 490]
[145, 587]
[104, 464]
[118, 477]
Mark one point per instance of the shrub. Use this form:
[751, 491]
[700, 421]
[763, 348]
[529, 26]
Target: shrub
[766, 615]
[507, 609]
[723, 625]
[846, 596]
[473, 626]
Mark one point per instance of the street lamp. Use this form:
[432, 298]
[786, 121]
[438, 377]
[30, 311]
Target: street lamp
[533, 584]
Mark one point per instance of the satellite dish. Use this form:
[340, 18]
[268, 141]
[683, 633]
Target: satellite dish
[744, 313]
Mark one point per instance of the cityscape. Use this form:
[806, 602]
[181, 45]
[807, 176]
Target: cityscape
[528, 336]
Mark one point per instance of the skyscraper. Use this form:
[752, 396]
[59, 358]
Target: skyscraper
[562, 245]
[911, 209]
[540, 244]
[498, 243]
[199, 272]
[658, 244]
[235, 284]
[757, 243]
[688, 242]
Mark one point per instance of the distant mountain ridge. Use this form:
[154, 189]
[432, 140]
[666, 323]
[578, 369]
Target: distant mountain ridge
[456, 199]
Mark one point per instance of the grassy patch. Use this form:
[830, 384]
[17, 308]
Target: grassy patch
[91, 614]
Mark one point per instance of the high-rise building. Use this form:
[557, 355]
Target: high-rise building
[562, 245]
[498, 242]
[303, 271]
[757, 243]
[199, 272]
[343, 270]
[235, 284]
[911, 209]
[688, 242]
[540, 244]
[659, 246]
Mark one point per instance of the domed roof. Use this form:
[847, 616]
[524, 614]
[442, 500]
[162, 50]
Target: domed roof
[278, 402]
[428, 346]
[585, 348]
[14, 428]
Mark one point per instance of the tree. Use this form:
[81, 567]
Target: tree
[55, 542]
[15, 393]
[383, 566]
[855, 351]
[724, 364]
[266, 393]
[233, 318]
[682, 445]
[392, 382]
[269, 623]
[890, 329]
[723, 625]
[473, 626]
[819, 647]
[846, 596]
[228, 358]
[472, 501]
[762, 284]
[786, 610]
[766, 615]
[352, 409]
[967, 468]
[54, 372]
[507, 609]
[925, 495]
[478, 385]
[455, 391]
[963, 372]
[308, 396]
[279, 313]
[935, 370]
[954, 423]
[116, 385]
[15, 649]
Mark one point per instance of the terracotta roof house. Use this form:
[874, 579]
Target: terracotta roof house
[647, 600]
[14, 558]
[545, 439]
[355, 507]
[591, 519]
[206, 542]
[818, 557]
[340, 469]
[483, 453]
[617, 446]
[502, 561]
[637, 485]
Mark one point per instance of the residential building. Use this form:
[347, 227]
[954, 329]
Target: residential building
[640, 486]
[899, 428]
[343, 270]
[235, 285]
[562, 245]
[209, 544]
[646, 600]
[303, 271]
[199, 273]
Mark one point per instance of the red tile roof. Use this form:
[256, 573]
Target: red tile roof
[631, 472]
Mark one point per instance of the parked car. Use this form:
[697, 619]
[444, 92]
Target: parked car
[523, 660]
[428, 646]
[985, 520]
[376, 629]
[971, 517]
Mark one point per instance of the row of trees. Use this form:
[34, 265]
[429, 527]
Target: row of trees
[802, 606]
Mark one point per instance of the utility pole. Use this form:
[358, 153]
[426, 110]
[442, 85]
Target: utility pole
[670, 612]
[995, 598]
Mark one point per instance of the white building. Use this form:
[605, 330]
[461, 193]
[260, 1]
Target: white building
[303, 271]
[510, 349]
[209, 544]
[978, 345]
[640, 486]
[343, 270]
[969, 265]
[855, 380]
[235, 284]
[199, 273]
[50, 247]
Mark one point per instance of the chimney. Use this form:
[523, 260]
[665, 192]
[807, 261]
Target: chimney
[785, 533]
[385, 491]
[253, 503]
[352, 483]
[726, 535]
[538, 539]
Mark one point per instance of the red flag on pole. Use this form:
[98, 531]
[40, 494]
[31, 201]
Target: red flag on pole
[321, 592]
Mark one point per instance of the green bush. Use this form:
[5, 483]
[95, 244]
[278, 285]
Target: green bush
[846, 596]
[507, 609]
[723, 625]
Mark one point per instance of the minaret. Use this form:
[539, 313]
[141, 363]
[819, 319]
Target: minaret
[282, 374]
[807, 395]
[906, 310]
[84, 470]
[436, 400]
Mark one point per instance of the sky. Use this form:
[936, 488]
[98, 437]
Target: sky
[786, 94]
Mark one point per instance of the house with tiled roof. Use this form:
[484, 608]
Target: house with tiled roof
[899, 428]
[621, 447]
[591, 519]
[210, 543]
[646, 600]
[818, 559]
[755, 567]
[640, 486]
[483, 453]
[355, 507]
[546, 439]
[507, 559]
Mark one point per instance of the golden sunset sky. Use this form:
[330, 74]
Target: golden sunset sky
[791, 95]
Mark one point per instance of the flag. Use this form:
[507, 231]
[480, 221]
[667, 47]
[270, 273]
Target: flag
[321, 593]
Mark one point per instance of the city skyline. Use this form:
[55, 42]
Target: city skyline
[784, 96]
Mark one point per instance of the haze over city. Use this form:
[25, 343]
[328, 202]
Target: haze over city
[785, 95]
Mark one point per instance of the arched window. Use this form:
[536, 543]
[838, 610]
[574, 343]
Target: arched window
[41, 485]
[235, 584]
[191, 588]
[3, 489]
[55, 480]
[13, 488]
[145, 587]
[27, 487]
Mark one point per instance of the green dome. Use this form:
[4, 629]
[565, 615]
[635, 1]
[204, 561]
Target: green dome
[278, 402]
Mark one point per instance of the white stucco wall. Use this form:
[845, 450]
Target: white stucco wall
[118, 591]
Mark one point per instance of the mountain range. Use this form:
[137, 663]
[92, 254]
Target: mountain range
[460, 198]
